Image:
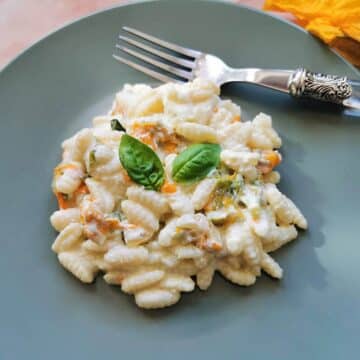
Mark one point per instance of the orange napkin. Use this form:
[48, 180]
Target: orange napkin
[336, 22]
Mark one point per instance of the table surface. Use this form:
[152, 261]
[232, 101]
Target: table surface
[21, 24]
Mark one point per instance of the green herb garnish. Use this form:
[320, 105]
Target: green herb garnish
[116, 125]
[141, 163]
[92, 158]
[195, 162]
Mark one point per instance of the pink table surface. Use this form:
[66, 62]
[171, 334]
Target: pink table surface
[23, 22]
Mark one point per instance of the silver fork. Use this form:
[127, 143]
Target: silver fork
[185, 64]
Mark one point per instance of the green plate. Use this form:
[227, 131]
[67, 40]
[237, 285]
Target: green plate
[60, 83]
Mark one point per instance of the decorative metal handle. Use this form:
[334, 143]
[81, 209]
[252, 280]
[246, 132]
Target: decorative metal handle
[330, 88]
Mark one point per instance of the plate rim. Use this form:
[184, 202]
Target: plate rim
[127, 3]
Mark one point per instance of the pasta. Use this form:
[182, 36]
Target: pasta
[203, 193]
[61, 218]
[83, 268]
[156, 298]
[150, 231]
[196, 132]
[68, 237]
[138, 281]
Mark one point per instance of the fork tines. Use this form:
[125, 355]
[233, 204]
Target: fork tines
[176, 65]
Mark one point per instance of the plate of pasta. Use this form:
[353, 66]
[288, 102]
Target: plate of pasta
[185, 220]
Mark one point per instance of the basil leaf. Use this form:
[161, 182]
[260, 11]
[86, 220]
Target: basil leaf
[115, 125]
[195, 162]
[141, 163]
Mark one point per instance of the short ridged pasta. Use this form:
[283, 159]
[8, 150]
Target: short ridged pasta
[252, 254]
[114, 277]
[80, 266]
[149, 105]
[284, 208]
[121, 255]
[62, 218]
[69, 237]
[167, 233]
[156, 298]
[137, 236]
[150, 199]
[236, 135]
[92, 246]
[243, 161]
[205, 276]
[108, 137]
[138, 214]
[196, 132]
[101, 195]
[157, 244]
[69, 178]
[177, 283]
[188, 252]
[180, 203]
[236, 237]
[202, 193]
[226, 114]
[102, 162]
[271, 267]
[278, 236]
[141, 280]
[241, 277]
[102, 121]
[263, 136]
[83, 142]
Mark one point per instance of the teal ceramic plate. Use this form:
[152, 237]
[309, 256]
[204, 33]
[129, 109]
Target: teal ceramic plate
[60, 83]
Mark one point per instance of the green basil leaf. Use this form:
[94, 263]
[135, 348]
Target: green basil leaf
[141, 163]
[116, 125]
[195, 162]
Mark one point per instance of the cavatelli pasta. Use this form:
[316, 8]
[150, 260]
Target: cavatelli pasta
[241, 277]
[284, 208]
[205, 276]
[154, 201]
[140, 215]
[121, 255]
[156, 298]
[202, 193]
[196, 132]
[102, 197]
[138, 281]
[69, 237]
[157, 244]
[68, 177]
[61, 218]
[80, 266]
[263, 136]
[83, 142]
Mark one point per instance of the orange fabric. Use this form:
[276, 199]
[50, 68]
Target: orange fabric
[327, 19]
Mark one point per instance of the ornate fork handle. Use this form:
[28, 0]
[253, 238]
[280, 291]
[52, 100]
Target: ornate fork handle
[304, 83]
[298, 83]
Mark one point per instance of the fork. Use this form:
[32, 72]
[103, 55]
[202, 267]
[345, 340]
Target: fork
[184, 64]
